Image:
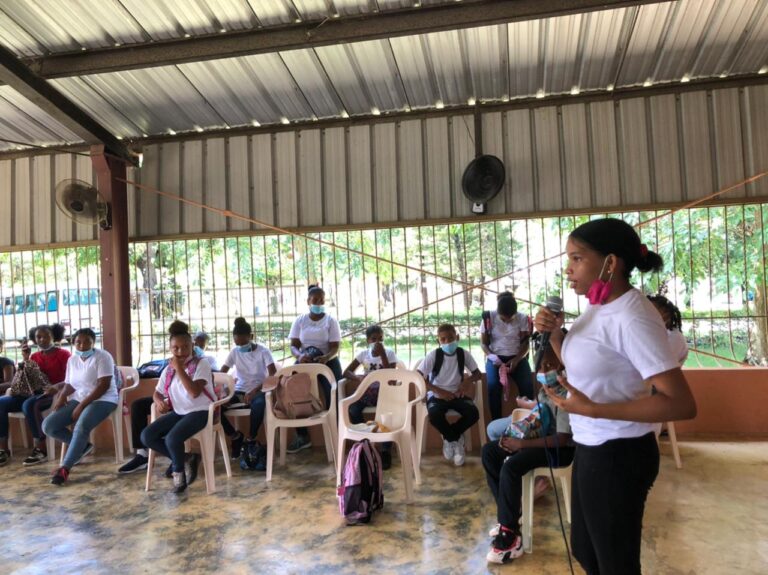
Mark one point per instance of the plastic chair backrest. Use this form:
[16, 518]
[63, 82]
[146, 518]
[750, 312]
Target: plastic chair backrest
[129, 373]
[394, 394]
[224, 381]
[314, 370]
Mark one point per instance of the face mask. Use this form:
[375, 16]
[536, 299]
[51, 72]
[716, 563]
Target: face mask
[317, 309]
[244, 348]
[198, 351]
[450, 348]
[548, 379]
[600, 289]
[48, 348]
[84, 354]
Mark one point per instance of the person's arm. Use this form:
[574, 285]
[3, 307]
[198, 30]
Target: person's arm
[60, 401]
[333, 351]
[485, 342]
[673, 401]
[296, 347]
[467, 388]
[193, 387]
[349, 373]
[525, 344]
[548, 321]
[102, 385]
[160, 402]
[550, 441]
[224, 368]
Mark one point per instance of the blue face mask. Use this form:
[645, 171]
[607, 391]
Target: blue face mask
[549, 379]
[244, 348]
[450, 348]
[317, 309]
[198, 351]
[84, 354]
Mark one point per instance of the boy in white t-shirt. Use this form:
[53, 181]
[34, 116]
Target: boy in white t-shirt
[374, 357]
[252, 363]
[449, 388]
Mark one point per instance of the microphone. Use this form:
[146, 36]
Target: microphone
[554, 304]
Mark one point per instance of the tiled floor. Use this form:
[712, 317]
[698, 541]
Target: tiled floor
[708, 518]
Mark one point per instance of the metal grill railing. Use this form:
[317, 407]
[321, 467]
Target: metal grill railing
[715, 272]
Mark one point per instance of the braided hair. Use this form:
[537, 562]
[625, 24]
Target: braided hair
[675, 319]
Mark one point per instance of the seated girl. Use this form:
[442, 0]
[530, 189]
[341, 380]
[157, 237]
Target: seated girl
[507, 460]
[252, 363]
[89, 395]
[376, 356]
[183, 394]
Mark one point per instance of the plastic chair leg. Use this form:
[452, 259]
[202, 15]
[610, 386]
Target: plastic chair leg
[528, 481]
[673, 440]
[23, 427]
[270, 450]
[128, 431]
[50, 444]
[340, 458]
[566, 484]
[404, 449]
[207, 448]
[416, 456]
[224, 451]
[117, 433]
[329, 440]
[283, 445]
[150, 467]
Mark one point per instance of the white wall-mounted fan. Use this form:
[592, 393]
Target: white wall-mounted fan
[83, 203]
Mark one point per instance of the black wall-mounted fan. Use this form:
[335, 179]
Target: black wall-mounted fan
[483, 179]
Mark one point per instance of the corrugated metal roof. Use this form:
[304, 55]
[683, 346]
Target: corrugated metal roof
[653, 43]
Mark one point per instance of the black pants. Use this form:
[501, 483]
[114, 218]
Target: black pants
[140, 410]
[437, 408]
[504, 472]
[610, 485]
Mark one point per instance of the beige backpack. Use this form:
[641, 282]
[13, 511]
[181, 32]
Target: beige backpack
[292, 395]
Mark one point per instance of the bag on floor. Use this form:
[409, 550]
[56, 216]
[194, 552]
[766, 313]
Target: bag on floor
[362, 488]
[29, 379]
[253, 456]
[293, 396]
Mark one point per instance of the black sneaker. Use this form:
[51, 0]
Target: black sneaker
[60, 476]
[37, 456]
[191, 466]
[5, 456]
[237, 446]
[87, 451]
[386, 459]
[138, 463]
[169, 472]
[179, 482]
[299, 442]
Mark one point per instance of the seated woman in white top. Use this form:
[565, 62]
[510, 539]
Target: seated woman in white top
[182, 397]
[88, 396]
[315, 338]
[252, 363]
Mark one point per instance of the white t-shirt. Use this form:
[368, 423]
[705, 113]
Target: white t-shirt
[373, 362]
[678, 344]
[448, 378]
[609, 352]
[506, 337]
[315, 333]
[250, 367]
[83, 376]
[181, 401]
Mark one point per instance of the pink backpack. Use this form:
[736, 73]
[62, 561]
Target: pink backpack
[362, 486]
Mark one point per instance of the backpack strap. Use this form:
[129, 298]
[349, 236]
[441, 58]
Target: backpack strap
[438, 365]
[487, 323]
[460, 357]
[190, 368]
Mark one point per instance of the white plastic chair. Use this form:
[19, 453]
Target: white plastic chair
[422, 416]
[130, 382]
[396, 408]
[529, 479]
[342, 389]
[206, 437]
[325, 418]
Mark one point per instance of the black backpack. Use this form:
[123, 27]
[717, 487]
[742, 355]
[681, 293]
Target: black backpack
[440, 355]
[253, 456]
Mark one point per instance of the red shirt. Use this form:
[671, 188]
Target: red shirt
[53, 364]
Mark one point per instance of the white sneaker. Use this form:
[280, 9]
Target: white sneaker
[458, 453]
[505, 547]
[448, 449]
[494, 531]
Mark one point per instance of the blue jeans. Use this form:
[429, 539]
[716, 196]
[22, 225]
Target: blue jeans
[258, 408]
[33, 410]
[9, 404]
[521, 375]
[167, 434]
[325, 387]
[497, 427]
[57, 426]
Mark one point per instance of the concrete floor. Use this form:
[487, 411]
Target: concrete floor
[708, 518]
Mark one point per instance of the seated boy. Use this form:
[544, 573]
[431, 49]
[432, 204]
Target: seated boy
[376, 356]
[508, 459]
[449, 388]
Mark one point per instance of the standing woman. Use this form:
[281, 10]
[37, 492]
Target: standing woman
[615, 351]
[183, 394]
[315, 338]
[504, 338]
[87, 398]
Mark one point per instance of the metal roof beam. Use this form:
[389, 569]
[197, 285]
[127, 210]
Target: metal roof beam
[42, 94]
[407, 22]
